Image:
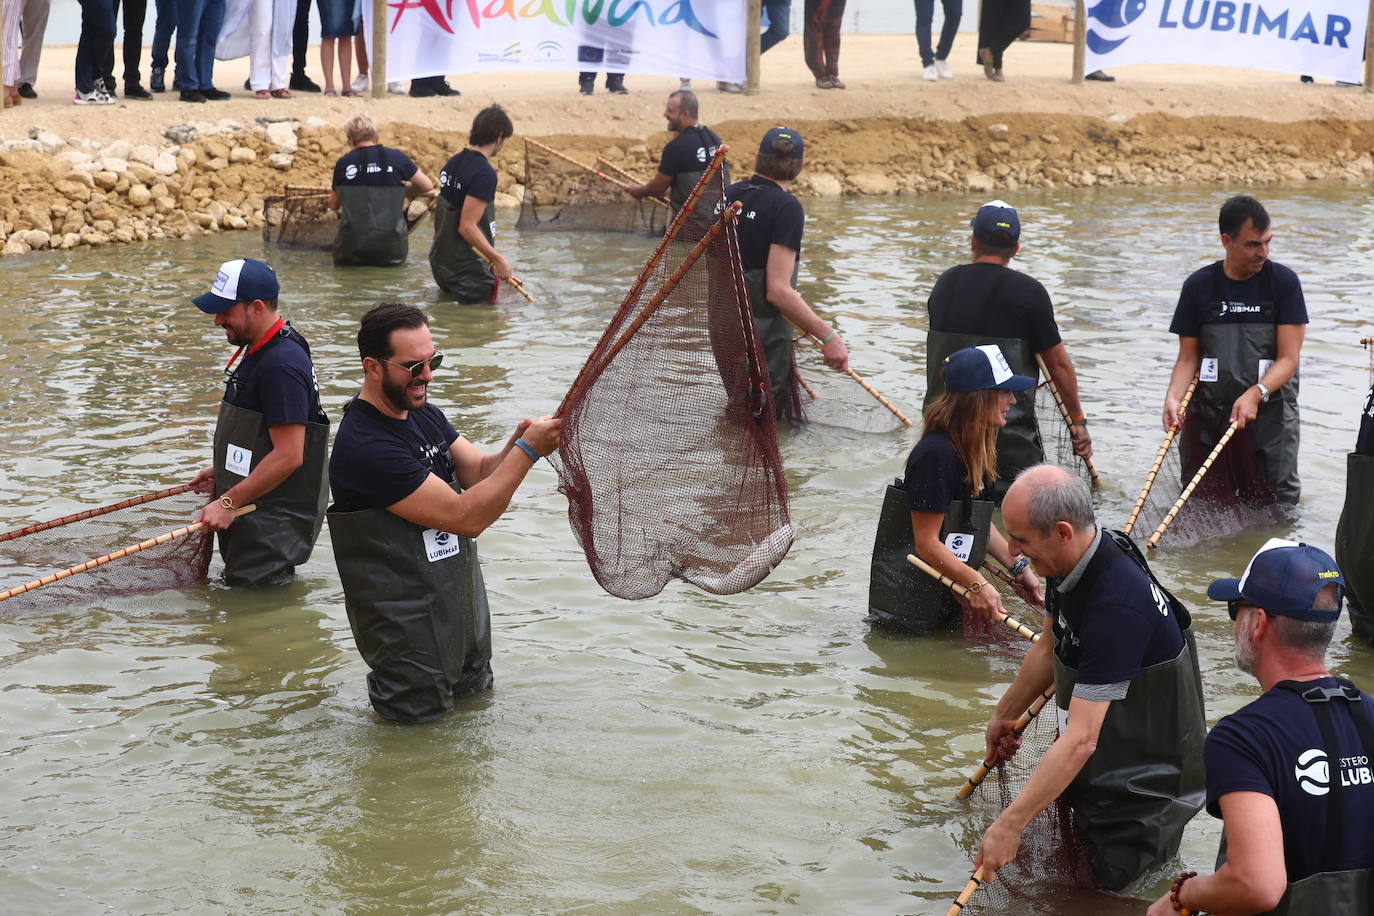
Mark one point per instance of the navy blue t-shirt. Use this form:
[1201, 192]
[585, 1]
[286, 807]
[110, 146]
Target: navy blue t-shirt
[1274, 746]
[1364, 444]
[771, 216]
[1197, 297]
[1128, 626]
[467, 174]
[373, 166]
[935, 474]
[986, 299]
[277, 381]
[378, 460]
[689, 151]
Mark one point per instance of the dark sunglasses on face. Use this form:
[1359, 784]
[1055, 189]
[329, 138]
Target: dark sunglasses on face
[418, 366]
[1233, 607]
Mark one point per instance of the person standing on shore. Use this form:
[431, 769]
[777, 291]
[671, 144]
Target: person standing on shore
[33, 22]
[935, 64]
[9, 43]
[685, 156]
[463, 256]
[198, 25]
[164, 24]
[1000, 22]
[135, 12]
[261, 31]
[95, 45]
[821, 41]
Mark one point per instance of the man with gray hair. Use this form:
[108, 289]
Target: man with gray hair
[1289, 774]
[371, 184]
[1124, 669]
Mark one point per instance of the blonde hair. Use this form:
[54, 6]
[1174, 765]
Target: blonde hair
[360, 129]
[969, 418]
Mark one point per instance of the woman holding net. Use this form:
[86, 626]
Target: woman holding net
[936, 506]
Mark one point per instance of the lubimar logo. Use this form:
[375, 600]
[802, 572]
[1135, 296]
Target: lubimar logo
[614, 13]
[1243, 18]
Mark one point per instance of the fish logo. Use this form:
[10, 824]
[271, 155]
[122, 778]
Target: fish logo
[1313, 772]
[1112, 14]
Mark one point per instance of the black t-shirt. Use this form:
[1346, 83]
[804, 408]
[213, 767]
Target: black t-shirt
[935, 474]
[993, 300]
[1274, 747]
[277, 381]
[378, 460]
[467, 174]
[1242, 299]
[770, 216]
[1364, 444]
[373, 167]
[689, 151]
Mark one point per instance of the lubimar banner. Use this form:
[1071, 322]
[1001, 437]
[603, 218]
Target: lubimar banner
[1314, 37]
[692, 38]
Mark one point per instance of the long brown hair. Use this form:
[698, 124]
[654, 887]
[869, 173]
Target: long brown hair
[969, 418]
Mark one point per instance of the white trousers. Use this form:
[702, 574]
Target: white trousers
[9, 34]
[266, 71]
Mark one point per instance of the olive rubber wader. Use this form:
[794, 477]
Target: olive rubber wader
[1355, 543]
[457, 269]
[775, 334]
[372, 225]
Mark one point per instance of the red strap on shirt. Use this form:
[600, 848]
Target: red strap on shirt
[281, 322]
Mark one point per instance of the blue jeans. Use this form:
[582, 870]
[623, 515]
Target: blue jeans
[162, 31]
[97, 42]
[779, 22]
[198, 25]
[925, 14]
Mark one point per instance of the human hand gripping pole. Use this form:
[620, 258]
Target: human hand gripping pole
[1064, 412]
[1192, 485]
[513, 280]
[1159, 459]
[863, 383]
[597, 172]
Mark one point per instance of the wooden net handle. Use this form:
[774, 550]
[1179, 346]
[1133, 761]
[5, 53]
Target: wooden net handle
[603, 161]
[92, 513]
[1159, 459]
[974, 882]
[863, 383]
[597, 172]
[513, 280]
[1020, 726]
[1192, 484]
[1009, 621]
[1064, 412]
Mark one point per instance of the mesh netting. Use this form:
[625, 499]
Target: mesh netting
[978, 629]
[831, 398]
[1055, 435]
[561, 193]
[669, 455]
[300, 217]
[27, 554]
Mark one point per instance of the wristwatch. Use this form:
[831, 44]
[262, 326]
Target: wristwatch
[1264, 392]
[1019, 567]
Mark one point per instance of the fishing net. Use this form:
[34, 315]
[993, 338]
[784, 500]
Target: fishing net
[300, 217]
[35, 551]
[830, 398]
[1055, 436]
[979, 630]
[561, 193]
[669, 455]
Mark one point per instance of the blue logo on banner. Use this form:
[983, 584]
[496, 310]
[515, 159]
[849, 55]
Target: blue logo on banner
[1240, 16]
[1114, 14]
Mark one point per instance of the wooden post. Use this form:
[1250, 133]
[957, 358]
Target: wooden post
[753, 13]
[377, 53]
[1369, 49]
[1080, 38]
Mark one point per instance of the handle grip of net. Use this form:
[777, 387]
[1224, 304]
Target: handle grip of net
[1159, 459]
[607, 164]
[1007, 620]
[1192, 484]
[1064, 412]
[597, 172]
[863, 383]
[796, 373]
[975, 881]
[116, 555]
[1021, 724]
[92, 513]
[513, 280]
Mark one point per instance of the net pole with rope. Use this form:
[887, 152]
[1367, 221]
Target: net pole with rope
[863, 383]
[513, 280]
[1159, 459]
[611, 166]
[92, 513]
[1192, 484]
[1006, 620]
[975, 881]
[1019, 726]
[999, 572]
[806, 386]
[111, 557]
[1064, 412]
[595, 171]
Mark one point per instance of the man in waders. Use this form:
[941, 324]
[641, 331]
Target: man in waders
[371, 184]
[1240, 323]
[685, 156]
[1355, 531]
[1122, 661]
[463, 257]
[971, 299]
[271, 438]
[770, 234]
[410, 495]
[1289, 774]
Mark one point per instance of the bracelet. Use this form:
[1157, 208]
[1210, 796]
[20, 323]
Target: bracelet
[975, 587]
[527, 449]
[227, 503]
[1019, 567]
[829, 337]
[1081, 421]
[1178, 886]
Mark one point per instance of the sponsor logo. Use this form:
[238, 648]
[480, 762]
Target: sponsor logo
[1161, 603]
[510, 54]
[1002, 362]
[1328, 574]
[572, 14]
[702, 155]
[221, 281]
[351, 172]
[1108, 19]
[548, 50]
[1237, 308]
[1313, 773]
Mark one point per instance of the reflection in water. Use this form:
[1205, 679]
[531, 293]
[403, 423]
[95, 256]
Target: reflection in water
[212, 750]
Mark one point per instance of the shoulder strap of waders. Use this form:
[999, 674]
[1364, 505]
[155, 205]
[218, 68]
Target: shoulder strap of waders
[1127, 546]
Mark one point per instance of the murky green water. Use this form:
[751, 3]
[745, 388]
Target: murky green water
[213, 751]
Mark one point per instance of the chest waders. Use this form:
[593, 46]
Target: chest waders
[903, 598]
[457, 269]
[1145, 780]
[1238, 347]
[1355, 543]
[372, 224]
[684, 182]
[775, 333]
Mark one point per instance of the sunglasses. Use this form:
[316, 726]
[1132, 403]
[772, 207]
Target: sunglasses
[418, 366]
[1233, 607]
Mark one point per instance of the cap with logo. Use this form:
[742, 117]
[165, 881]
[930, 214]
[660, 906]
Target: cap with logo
[979, 368]
[996, 225]
[782, 133]
[1284, 578]
[242, 280]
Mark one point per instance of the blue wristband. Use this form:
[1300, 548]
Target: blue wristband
[525, 447]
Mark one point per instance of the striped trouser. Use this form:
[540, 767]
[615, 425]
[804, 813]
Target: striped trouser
[821, 36]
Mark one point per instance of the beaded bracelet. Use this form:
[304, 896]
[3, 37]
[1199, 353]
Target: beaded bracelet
[1177, 888]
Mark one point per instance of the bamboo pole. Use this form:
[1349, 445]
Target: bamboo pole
[1159, 459]
[805, 387]
[1369, 49]
[597, 172]
[611, 166]
[863, 383]
[1192, 484]
[92, 513]
[753, 34]
[513, 280]
[974, 882]
[1080, 39]
[1021, 724]
[376, 55]
[1009, 621]
[1064, 412]
[111, 557]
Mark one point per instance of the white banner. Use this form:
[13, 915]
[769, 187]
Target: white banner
[693, 38]
[1316, 37]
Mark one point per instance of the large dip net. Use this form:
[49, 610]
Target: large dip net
[1003, 638]
[1055, 435]
[829, 398]
[300, 217]
[40, 550]
[669, 455]
[563, 193]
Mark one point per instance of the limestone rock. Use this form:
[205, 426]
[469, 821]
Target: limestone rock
[501, 199]
[36, 238]
[216, 150]
[235, 222]
[216, 211]
[314, 123]
[1051, 139]
[96, 239]
[979, 181]
[105, 181]
[217, 163]
[73, 190]
[49, 142]
[282, 135]
[114, 164]
[166, 164]
[70, 240]
[119, 149]
[998, 131]
[123, 234]
[242, 154]
[140, 196]
[143, 153]
[823, 185]
[872, 183]
[165, 204]
[281, 161]
[181, 133]
[15, 244]
[142, 174]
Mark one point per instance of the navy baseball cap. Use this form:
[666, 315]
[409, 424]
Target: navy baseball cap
[996, 225]
[242, 280]
[979, 368]
[782, 133]
[1284, 578]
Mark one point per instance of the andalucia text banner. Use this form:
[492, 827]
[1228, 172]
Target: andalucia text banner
[693, 38]
[1316, 37]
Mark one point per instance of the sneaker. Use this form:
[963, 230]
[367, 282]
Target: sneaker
[215, 95]
[248, 85]
[942, 68]
[617, 88]
[684, 85]
[930, 74]
[361, 83]
[157, 79]
[396, 87]
[729, 87]
[192, 95]
[985, 58]
[1100, 77]
[302, 83]
[26, 91]
[443, 88]
[94, 97]
[135, 91]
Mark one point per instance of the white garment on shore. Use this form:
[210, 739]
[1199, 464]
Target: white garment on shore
[261, 31]
[9, 33]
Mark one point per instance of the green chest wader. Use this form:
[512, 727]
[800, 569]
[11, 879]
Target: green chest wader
[418, 609]
[1145, 780]
[372, 226]
[684, 182]
[1235, 354]
[1355, 543]
[903, 598]
[265, 546]
[775, 333]
[457, 269]
[1018, 443]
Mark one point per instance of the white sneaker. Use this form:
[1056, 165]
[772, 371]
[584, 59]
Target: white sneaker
[930, 74]
[396, 87]
[360, 83]
[729, 87]
[942, 68]
[94, 97]
[684, 84]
